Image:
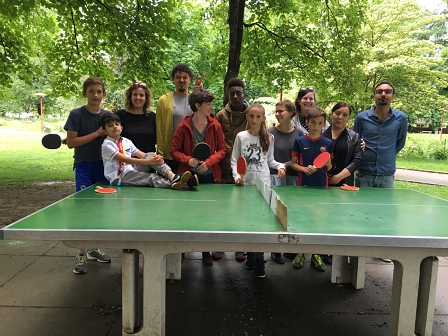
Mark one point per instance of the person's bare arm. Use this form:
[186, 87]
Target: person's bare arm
[73, 140]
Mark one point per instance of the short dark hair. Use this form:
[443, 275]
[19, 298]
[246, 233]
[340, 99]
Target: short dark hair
[289, 105]
[199, 96]
[387, 83]
[315, 112]
[302, 92]
[109, 117]
[181, 67]
[235, 82]
[342, 104]
[91, 81]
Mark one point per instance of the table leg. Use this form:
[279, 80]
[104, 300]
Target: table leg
[426, 296]
[129, 292]
[344, 272]
[358, 271]
[154, 287]
[404, 296]
[173, 266]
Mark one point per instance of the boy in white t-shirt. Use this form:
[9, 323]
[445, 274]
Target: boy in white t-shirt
[119, 154]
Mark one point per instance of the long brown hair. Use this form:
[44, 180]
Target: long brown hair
[264, 133]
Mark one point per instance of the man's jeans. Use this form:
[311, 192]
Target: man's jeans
[366, 180]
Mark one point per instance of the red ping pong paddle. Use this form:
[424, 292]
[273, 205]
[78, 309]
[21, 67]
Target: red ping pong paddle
[349, 187]
[51, 141]
[321, 160]
[241, 166]
[201, 151]
[102, 190]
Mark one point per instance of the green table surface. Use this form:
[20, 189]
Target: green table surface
[369, 211]
[210, 208]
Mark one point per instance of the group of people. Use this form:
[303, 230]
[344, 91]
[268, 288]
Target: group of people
[120, 148]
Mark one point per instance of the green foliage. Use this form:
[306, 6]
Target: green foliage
[423, 147]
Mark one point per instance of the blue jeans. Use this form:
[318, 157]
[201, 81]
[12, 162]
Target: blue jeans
[366, 180]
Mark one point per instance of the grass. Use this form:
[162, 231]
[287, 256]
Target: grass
[423, 164]
[24, 159]
[438, 191]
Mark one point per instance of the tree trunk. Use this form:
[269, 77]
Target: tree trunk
[235, 21]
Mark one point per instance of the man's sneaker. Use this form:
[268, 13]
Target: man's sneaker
[297, 263]
[98, 255]
[240, 256]
[180, 180]
[259, 268]
[80, 264]
[327, 258]
[277, 257]
[193, 181]
[317, 263]
[207, 259]
[250, 261]
[217, 255]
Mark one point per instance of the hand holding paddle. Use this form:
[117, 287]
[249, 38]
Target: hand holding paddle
[241, 167]
[200, 153]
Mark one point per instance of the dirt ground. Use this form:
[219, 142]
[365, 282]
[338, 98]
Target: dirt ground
[16, 203]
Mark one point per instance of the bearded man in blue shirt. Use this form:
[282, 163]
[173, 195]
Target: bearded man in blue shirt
[384, 132]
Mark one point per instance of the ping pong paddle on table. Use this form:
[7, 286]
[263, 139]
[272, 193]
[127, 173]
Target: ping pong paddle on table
[51, 141]
[349, 187]
[102, 190]
[201, 151]
[321, 160]
[241, 166]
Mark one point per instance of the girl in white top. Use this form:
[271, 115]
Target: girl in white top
[256, 144]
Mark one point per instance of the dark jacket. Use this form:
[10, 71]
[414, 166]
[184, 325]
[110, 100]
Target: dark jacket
[353, 160]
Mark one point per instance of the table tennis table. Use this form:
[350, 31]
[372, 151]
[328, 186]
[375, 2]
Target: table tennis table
[404, 225]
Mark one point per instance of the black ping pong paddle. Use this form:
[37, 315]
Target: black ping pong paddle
[52, 141]
[201, 151]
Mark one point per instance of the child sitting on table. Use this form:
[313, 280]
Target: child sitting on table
[119, 154]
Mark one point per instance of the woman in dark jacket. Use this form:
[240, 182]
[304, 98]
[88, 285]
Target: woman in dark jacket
[347, 152]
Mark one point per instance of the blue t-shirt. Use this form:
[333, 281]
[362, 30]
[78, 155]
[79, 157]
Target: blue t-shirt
[306, 150]
[83, 122]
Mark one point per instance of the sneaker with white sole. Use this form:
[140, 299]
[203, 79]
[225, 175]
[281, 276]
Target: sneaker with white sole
[80, 264]
[98, 255]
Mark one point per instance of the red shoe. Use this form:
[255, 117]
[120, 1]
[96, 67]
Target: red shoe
[240, 256]
[217, 255]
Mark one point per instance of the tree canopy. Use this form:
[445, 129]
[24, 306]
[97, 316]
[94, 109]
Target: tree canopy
[341, 48]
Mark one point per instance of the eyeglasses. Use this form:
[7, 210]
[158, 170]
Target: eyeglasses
[309, 88]
[386, 91]
[280, 111]
[138, 85]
